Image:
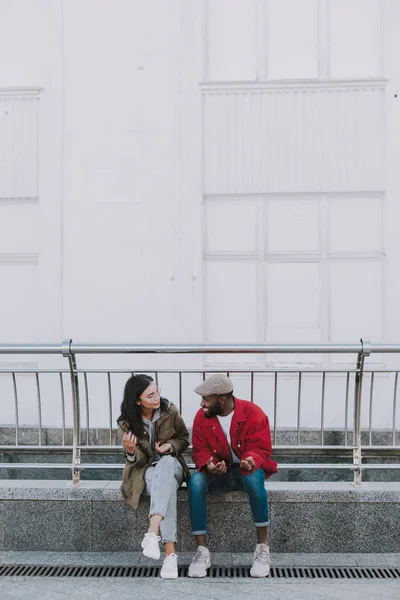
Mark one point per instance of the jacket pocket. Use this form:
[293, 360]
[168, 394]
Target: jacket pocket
[165, 434]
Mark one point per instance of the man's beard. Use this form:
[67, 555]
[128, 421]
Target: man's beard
[213, 412]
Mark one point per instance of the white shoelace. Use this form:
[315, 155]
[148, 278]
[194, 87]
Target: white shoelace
[171, 556]
[262, 556]
[200, 557]
[150, 535]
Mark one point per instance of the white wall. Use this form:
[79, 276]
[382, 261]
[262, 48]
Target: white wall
[221, 170]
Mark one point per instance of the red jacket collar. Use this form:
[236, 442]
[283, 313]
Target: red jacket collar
[238, 415]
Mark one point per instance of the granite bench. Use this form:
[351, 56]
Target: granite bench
[310, 517]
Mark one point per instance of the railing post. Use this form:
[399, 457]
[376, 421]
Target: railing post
[76, 432]
[357, 458]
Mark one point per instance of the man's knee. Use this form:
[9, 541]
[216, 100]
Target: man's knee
[255, 479]
[197, 482]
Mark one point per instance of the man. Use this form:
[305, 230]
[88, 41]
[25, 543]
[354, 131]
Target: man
[231, 450]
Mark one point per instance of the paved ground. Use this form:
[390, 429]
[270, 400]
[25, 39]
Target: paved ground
[25, 588]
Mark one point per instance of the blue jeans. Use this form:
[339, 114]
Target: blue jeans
[162, 482]
[253, 484]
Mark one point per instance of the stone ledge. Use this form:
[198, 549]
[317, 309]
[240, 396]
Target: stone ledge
[311, 517]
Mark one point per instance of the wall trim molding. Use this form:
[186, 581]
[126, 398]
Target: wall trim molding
[378, 83]
[227, 197]
[15, 259]
[293, 257]
[19, 200]
[33, 91]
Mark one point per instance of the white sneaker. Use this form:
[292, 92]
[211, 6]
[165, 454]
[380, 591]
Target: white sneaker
[169, 569]
[200, 562]
[261, 561]
[150, 546]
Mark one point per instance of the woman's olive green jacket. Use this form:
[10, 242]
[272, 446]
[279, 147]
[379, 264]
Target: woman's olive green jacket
[169, 428]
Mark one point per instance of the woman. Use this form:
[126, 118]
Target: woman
[154, 437]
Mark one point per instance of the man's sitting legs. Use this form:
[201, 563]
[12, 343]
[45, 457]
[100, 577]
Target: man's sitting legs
[253, 484]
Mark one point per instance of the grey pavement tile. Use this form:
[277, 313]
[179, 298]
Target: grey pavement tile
[185, 558]
[221, 559]
[144, 561]
[94, 558]
[384, 588]
[99, 589]
[341, 560]
[393, 559]
[127, 559]
[32, 557]
[71, 558]
[350, 593]
[371, 560]
[283, 560]
[9, 558]
[242, 559]
[309, 560]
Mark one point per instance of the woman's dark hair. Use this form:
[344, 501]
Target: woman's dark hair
[131, 412]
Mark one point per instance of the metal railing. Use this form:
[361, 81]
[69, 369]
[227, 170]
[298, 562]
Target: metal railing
[354, 378]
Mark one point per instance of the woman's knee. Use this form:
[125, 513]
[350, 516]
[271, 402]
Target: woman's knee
[166, 462]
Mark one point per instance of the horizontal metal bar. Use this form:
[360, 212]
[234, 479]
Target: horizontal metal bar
[352, 467]
[9, 371]
[35, 466]
[119, 448]
[381, 466]
[317, 449]
[59, 466]
[30, 349]
[282, 466]
[33, 448]
[4, 371]
[271, 371]
[384, 348]
[345, 348]
[231, 370]
[215, 348]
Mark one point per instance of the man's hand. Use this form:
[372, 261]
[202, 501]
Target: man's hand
[163, 449]
[129, 442]
[248, 464]
[218, 469]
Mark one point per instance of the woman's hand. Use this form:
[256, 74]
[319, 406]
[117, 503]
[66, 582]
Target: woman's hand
[163, 449]
[129, 442]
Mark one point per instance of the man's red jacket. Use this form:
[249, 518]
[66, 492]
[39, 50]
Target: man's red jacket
[250, 436]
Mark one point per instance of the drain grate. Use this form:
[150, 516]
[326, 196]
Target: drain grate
[213, 573]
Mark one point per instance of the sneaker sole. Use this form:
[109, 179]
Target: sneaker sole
[259, 576]
[149, 555]
[200, 576]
